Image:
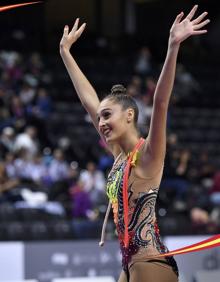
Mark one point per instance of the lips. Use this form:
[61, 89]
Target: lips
[106, 131]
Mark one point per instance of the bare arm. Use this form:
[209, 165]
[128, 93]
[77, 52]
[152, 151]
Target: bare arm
[84, 89]
[180, 30]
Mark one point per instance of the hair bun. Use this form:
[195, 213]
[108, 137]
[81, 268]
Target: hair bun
[118, 89]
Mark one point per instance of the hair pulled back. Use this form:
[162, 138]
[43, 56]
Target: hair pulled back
[119, 95]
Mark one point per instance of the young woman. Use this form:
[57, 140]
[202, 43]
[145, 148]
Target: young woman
[134, 180]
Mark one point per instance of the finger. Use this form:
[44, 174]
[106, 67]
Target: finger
[200, 18]
[178, 18]
[198, 32]
[66, 30]
[75, 26]
[202, 24]
[80, 30]
[192, 12]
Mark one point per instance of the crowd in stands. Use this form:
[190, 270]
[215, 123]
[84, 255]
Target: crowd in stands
[36, 172]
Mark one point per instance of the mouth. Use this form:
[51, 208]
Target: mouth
[106, 132]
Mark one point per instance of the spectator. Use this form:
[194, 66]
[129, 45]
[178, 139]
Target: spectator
[106, 159]
[6, 184]
[93, 181]
[17, 109]
[10, 165]
[142, 64]
[37, 169]
[27, 94]
[42, 107]
[215, 189]
[81, 202]
[7, 141]
[150, 84]
[185, 87]
[28, 141]
[59, 168]
[177, 164]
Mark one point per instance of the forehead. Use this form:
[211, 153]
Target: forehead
[107, 104]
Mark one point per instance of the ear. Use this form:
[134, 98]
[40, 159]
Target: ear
[130, 115]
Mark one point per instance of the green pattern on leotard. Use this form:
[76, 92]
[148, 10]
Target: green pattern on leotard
[113, 184]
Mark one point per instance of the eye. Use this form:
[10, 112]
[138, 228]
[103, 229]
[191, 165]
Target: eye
[106, 115]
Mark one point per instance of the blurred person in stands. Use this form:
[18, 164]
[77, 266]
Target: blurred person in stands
[186, 87]
[35, 65]
[150, 84]
[27, 93]
[106, 159]
[6, 184]
[136, 81]
[7, 141]
[175, 179]
[205, 220]
[10, 165]
[36, 169]
[16, 107]
[58, 168]
[21, 160]
[81, 202]
[142, 65]
[93, 181]
[17, 112]
[204, 167]
[215, 189]
[43, 106]
[3, 99]
[27, 140]
[38, 112]
[134, 180]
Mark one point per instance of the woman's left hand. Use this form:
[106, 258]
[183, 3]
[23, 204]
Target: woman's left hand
[182, 29]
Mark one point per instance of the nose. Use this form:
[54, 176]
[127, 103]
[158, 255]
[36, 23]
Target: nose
[101, 123]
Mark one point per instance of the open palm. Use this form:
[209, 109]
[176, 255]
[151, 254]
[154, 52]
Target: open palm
[71, 37]
[181, 30]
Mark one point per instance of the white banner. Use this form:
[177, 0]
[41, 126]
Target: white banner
[11, 261]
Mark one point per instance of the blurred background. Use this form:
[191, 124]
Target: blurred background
[53, 166]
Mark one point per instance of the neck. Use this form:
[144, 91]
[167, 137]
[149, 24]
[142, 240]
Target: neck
[127, 144]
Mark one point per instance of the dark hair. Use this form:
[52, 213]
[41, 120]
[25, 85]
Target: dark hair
[119, 95]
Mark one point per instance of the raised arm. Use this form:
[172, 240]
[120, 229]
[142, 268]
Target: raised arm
[181, 29]
[84, 89]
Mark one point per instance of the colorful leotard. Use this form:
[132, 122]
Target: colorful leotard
[143, 232]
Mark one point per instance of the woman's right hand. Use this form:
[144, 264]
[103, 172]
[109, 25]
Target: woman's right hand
[71, 37]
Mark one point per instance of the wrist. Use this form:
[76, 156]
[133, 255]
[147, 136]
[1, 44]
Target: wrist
[173, 45]
[173, 48]
[64, 50]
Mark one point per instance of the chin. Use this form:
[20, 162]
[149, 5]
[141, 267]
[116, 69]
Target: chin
[110, 140]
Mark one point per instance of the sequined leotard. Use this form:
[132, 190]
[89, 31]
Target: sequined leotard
[144, 237]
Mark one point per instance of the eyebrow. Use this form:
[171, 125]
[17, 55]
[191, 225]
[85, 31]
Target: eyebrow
[105, 109]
